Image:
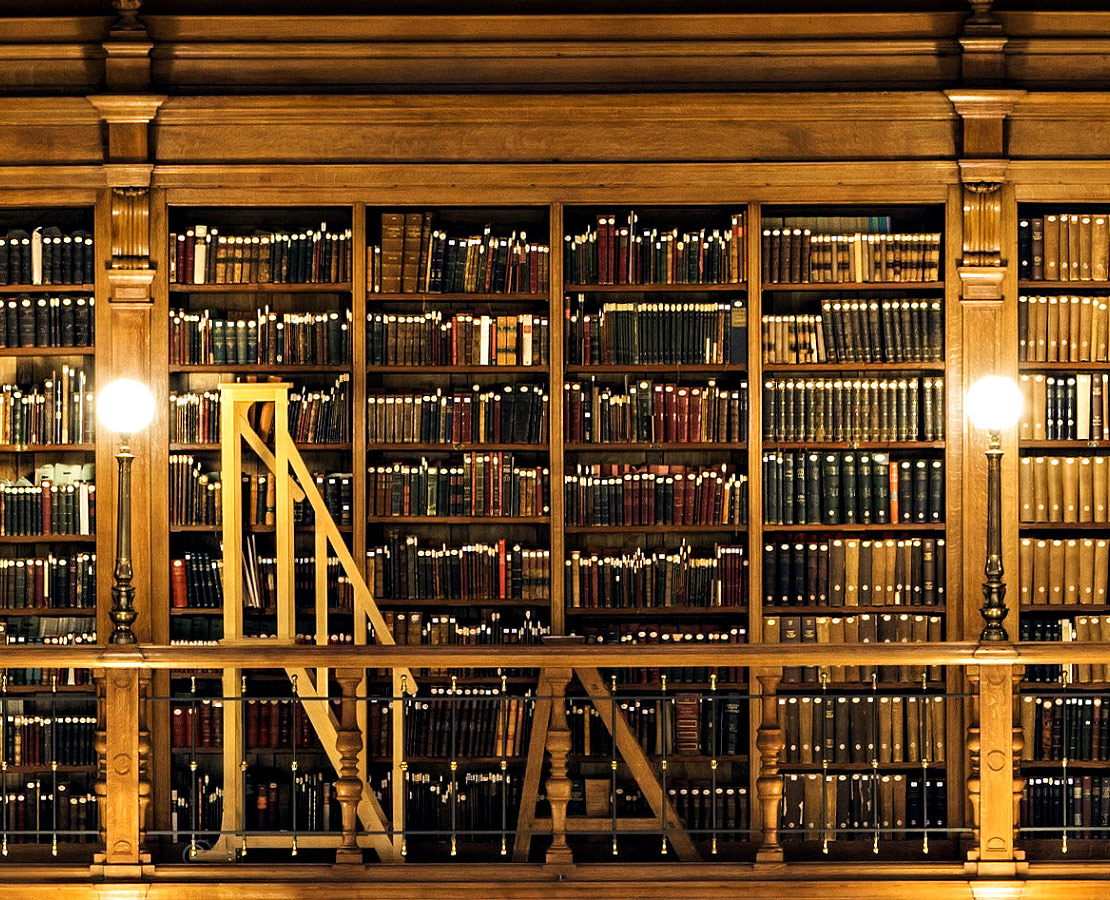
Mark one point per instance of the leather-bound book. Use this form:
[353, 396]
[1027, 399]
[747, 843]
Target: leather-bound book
[392, 255]
[1039, 592]
[1101, 570]
[1069, 466]
[1071, 572]
[791, 633]
[1037, 248]
[1086, 572]
[1075, 246]
[1052, 233]
[1025, 572]
[1086, 489]
[1056, 572]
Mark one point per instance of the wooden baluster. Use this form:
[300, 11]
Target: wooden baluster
[974, 748]
[769, 741]
[100, 745]
[1018, 746]
[554, 685]
[145, 784]
[348, 786]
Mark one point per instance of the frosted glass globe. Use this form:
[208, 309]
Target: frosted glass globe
[994, 403]
[125, 406]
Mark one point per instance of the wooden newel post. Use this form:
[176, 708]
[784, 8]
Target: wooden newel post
[348, 786]
[554, 685]
[769, 741]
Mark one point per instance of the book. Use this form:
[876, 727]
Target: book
[873, 256]
[440, 338]
[205, 254]
[498, 414]
[1062, 329]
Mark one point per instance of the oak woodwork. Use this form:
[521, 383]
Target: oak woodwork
[348, 786]
[769, 741]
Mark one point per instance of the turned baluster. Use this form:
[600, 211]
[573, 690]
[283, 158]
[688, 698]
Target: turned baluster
[769, 741]
[348, 786]
[555, 683]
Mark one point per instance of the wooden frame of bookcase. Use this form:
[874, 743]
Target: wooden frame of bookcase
[623, 185]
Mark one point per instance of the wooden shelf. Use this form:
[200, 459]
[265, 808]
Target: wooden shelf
[457, 370]
[856, 367]
[462, 760]
[6, 289]
[648, 448]
[259, 369]
[1031, 366]
[387, 603]
[738, 287]
[858, 766]
[47, 351]
[648, 368]
[1071, 287]
[51, 611]
[856, 527]
[537, 447]
[815, 689]
[198, 751]
[850, 610]
[45, 769]
[692, 758]
[48, 539]
[909, 446]
[654, 612]
[45, 689]
[1072, 764]
[819, 286]
[1081, 609]
[653, 529]
[1063, 526]
[464, 296]
[1063, 445]
[47, 448]
[459, 520]
[255, 287]
[252, 529]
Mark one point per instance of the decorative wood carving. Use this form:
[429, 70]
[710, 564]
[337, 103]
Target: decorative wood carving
[983, 43]
[769, 741]
[554, 685]
[130, 228]
[982, 224]
[348, 786]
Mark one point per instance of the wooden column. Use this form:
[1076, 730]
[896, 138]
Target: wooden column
[553, 684]
[348, 786]
[769, 741]
[119, 788]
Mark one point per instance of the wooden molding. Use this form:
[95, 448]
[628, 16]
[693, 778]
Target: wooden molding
[981, 282]
[130, 285]
[127, 108]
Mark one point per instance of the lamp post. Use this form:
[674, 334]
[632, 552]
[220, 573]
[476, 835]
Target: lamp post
[994, 403]
[124, 407]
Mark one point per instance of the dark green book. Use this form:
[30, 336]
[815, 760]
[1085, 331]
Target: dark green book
[849, 498]
[830, 489]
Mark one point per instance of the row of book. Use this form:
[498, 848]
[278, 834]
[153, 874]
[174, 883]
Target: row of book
[628, 253]
[196, 803]
[1063, 329]
[202, 255]
[886, 409]
[196, 581]
[864, 628]
[801, 488]
[624, 494]
[197, 724]
[1081, 629]
[442, 338]
[1080, 803]
[52, 631]
[485, 485]
[210, 337]
[1063, 247]
[197, 631]
[304, 802]
[417, 257]
[724, 731]
[850, 572]
[49, 582]
[274, 724]
[38, 740]
[863, 806]
[45, 508]
[472, 721]
[59, 410]
[650, 412]
[46, 255]
[195, 495]
[1063, 572]
[259, 499]
[857, 331]
[1065, 407]
[797, 255]
[44, 808]
[477, 805]
[642, 633]
[260, 581]
[722, 811]
[47, 322]
[863, 728]
[656, 332]
[1055, 628]
[647, 579]
[1063, 489]
[1071, 728]
[468, 627]
[506, 414]
[321, 416]
[407, 569]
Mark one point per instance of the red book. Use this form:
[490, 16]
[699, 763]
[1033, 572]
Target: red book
[893, 493]
[658, 414]
[47, 508]
[179, 727]
[691, 497]
[694, 430]
[503, 591]
[670, 418]
[682, 415]
[178, 593]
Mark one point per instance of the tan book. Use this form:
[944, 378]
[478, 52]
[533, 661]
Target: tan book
[1074, 320]
[1102, 670]
[1102, 327]
[1074, 246]
[1028, 715]
[851, 573]
[1056, 572]
[1086, 328]
[899, 801]
[1086, 489]
[1025, 572]
[1038, 328]
[1071, 572]
[1085, 247]
[836, 636]
[1063, 337]
[852, 674]
[1052, 248]
[886, 807]
[1025, 426]
[1052, 326]
[1040, 573]
[1099, 245]
[1083, 635]
[914, 732]
[1087, 571]
[771, 630]
[1099, 483]
[1070, 469]
[1025, 490]
[1055, 474]
[1101, 570]
[878, 573]
[824, 636]
[937, 728]
[1039, 411]
[1082, 406]
[805, 727]
[884, 729]
[897, 729]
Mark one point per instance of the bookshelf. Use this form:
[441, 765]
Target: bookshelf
[48, 577]
[1062, 363]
